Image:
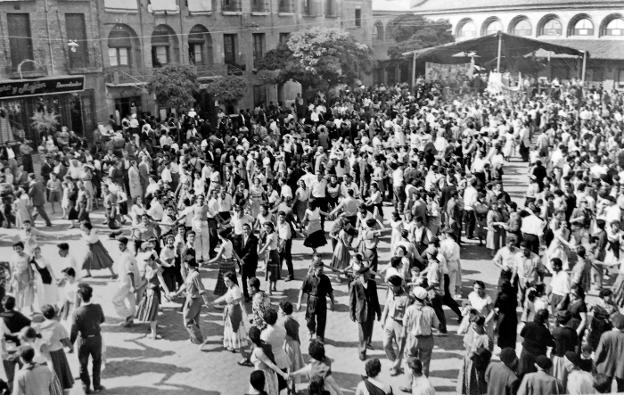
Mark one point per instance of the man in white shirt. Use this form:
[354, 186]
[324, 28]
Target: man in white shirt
[124, 299]
[532, 229]
[470, 199]
[450, 251]
[559, 286]
[398, 185]
[275, 335]
[66, 260]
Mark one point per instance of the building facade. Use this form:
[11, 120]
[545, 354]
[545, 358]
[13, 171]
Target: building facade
[595, 26]
[117, 44]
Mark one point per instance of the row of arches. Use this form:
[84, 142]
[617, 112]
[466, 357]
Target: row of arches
[550, 25]
[124, 48]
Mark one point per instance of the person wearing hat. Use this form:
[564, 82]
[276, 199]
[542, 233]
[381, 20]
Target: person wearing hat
[501, 377]
[579, 381]
[608, 355]
[417, 337]
[540, 382]
[318, 288]
[124, 299]
[392, 322]
[364, 306]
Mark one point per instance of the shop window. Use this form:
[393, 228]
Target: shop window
[20, 40]
[118, 56]
[77, 32]
[229, 49]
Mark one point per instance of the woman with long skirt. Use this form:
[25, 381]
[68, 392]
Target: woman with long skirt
[45, 289]
[195, 295]
[147, 310]
[315, 233]
[262, 358]
[479, 347]
[273, 259]
[97, 258]
[225, 257]
[234, 336]
[54, 339]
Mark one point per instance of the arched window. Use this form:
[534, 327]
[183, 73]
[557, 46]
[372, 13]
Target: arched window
[615, 28]
[466, 29]
[583, 27]
[164, 46]
[200, 46]
[522, 27]
[120, 45]
[492, 26]
[379, 31]
[552, 27]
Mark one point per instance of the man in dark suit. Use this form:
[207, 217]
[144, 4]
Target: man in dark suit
[363, 306]
[608, 356]
[248, 253]
[86, 328]
[36, 191]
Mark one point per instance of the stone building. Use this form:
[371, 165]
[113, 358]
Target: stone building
[596, 26]
[101, 53]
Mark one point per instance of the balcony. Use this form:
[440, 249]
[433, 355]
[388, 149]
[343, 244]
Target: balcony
[208, 72]
[236, 69]
[29, 70]
[231, 7]
[286, 7]
[83, 66]
[126, 77]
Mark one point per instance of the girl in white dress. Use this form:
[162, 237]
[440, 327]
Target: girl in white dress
[46, 289]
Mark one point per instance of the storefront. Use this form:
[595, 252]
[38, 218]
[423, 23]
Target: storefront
[30, 108]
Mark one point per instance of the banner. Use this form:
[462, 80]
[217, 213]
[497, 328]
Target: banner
[447, 72]
[41, 86]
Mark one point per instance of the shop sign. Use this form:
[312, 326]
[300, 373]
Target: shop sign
[41, 86]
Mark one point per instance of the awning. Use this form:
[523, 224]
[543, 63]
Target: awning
[486, 48]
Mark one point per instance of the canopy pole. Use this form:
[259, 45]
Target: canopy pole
[499, 53]
[413, 70]
[584, 68]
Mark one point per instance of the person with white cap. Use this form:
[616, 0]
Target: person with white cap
[418, 324]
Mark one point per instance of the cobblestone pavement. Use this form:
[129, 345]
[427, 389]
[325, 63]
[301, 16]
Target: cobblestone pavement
[172, 365]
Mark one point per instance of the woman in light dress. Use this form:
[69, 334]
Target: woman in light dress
[54, 338]
[234, 336]
[302, 197]
[397, 226]
[225, 258]
[478, 346]
[256, 195]
[46, 289]
[21, 208]
[262, 358]
[480, 302]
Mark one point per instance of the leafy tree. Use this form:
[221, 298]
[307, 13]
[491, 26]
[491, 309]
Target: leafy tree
[317, 59]
[45, 121]
[227, 89]
[415, 32]
[174, 86]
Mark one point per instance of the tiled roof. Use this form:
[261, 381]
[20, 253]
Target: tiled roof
[444, 6]
[598, 49]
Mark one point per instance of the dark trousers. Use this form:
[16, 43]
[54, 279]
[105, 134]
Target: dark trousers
[436, 303]
[619, 383]
[399, 198]
[448, 300]
[212, 233]
[532, 241]
[323, 205]
[370, 255]
[247, 273]
[91, 346]
[316, 320]
[43, 214]
[365, 332]
[286, 255]
[470, 220]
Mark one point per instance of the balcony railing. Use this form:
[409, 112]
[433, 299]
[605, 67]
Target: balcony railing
[285, 7]
[213, 70]
[236, 69]
[123, 76]
[231, 6]
[89, 65]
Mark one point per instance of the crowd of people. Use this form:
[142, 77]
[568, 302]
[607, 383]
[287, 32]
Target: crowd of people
[185, 200]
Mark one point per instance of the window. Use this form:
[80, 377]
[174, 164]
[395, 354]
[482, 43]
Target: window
[200, 46]
[583, 27]
[231, 5]
[118, 57]
[160, 55]
[257, 6]
[285, 6]
[379, 31]
[283, 38]
[621, 78]
[196, 54]
[522, 28]
[467, 29]
[229, 49]
[258, 46]
[330, 7]
[307, 7]
[20, 40]
[552, 28]
[165, 48]
[493, 27]
[358, 17]
[77, 32]
[615, 28]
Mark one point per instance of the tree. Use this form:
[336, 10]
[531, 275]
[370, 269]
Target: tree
[227, 89]
[317, 59]
[45, 121]
[415, 32]
[174, 86]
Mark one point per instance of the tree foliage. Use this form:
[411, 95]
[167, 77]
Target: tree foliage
[415, 32]
[45, 121]
[318, 59]
[174, 86]
[228, 89]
